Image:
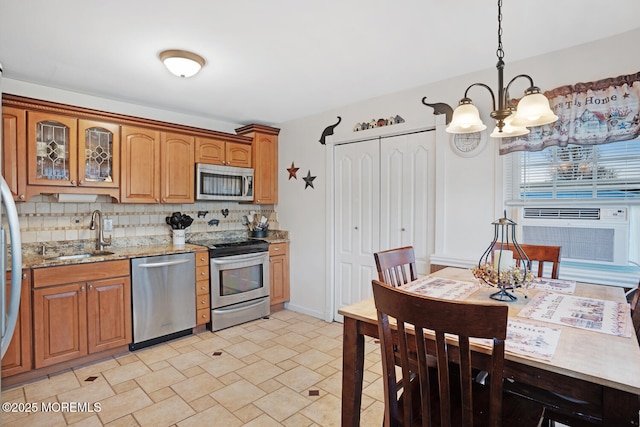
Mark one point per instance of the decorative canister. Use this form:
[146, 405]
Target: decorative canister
[178, 237]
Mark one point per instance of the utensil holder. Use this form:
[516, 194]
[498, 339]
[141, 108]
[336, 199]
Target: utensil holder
[178, 238]
[258, 233]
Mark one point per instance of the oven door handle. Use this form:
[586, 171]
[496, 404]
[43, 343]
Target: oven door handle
[245, 258]
[163, 264]
[232, 310]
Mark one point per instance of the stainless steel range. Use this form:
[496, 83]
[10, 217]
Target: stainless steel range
[239, 280]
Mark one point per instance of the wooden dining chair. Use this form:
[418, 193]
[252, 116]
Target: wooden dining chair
[396, 266]
[635, 311]
[425, 397]
[537, 254]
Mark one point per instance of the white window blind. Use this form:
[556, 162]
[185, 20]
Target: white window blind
[605, 171]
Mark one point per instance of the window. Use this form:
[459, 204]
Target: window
[605, 171]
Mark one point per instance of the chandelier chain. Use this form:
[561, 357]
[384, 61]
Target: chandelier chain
[500, 51]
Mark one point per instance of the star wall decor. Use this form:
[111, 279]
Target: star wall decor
[308, 180]
[292, 171]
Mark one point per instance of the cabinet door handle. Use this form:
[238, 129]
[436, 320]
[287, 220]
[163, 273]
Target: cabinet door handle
[82, 288]
[276, 248]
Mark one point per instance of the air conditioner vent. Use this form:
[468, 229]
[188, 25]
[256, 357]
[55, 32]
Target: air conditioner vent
[562, 213]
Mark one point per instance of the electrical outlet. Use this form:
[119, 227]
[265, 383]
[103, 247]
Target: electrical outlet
[108, 224]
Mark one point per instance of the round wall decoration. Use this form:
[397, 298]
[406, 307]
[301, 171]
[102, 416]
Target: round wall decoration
[468, 144]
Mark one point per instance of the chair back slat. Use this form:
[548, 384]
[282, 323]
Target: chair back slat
[539, 254]
[416, 315]
[635, 311]
[396, 266]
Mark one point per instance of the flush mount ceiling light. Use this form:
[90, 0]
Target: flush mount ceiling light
[182, 63]
[533, 109]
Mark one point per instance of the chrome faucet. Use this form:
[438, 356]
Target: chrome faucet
[102, 241]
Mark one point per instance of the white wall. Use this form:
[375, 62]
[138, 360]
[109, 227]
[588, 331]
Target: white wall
[469, 188]
[18, 87]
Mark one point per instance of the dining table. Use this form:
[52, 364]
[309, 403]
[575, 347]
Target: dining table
[598, 370]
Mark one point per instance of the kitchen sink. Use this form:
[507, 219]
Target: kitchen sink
[79, 256]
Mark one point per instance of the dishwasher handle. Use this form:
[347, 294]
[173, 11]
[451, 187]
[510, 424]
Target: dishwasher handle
[163, 264]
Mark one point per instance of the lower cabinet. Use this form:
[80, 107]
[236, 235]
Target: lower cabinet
[17, 358]
[80, 310]
[203, 296]
[279, 275]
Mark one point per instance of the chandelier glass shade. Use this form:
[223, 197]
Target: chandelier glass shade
[182, 63]
[532, 110]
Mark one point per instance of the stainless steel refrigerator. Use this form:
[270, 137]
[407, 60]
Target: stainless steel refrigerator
[9, 298]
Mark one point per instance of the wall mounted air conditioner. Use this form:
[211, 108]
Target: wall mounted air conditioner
[590, 234]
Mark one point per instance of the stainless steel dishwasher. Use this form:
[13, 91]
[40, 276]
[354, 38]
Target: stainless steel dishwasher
[163, 298]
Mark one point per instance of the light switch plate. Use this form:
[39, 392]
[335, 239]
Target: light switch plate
[108, 224]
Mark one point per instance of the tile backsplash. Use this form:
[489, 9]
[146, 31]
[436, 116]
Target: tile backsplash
[43, 219]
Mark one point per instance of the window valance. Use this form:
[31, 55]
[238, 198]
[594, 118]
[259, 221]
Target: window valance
[591, 113]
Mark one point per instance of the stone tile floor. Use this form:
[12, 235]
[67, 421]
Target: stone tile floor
[281, 371]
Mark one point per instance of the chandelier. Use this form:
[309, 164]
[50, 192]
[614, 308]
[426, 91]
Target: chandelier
[533, 109]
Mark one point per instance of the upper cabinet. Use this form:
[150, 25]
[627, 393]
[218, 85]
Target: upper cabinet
[219, 152]
[98, 154]
[264, 157]
[63, 151]
[178, 172]
[14, 155]
[158, 167]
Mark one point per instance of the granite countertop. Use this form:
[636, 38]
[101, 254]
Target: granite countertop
[37, 261]
[125, 250]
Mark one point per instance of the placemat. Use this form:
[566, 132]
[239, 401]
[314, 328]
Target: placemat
[554, 285]
[528, 339]
[437, 287]
[608, 317]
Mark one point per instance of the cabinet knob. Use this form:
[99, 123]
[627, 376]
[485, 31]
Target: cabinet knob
[90, 287]
[81, 182]
[157, 200]
[202, 273]
[355, 227]
[21, 197]
[73, 182]
[276, 248]
[24, 276]
[203, 302]
[82, 288]
[204, 316]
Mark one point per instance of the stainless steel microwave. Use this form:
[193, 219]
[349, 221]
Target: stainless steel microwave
[214, 182]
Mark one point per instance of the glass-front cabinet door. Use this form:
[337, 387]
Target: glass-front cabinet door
[98, 154]
[51, 149]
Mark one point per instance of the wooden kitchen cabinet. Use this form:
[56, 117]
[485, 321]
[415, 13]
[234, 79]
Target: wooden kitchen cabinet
[14, 151]
[203, 296]
[278, 275]
[71, 154]
[108, 314]
[17, 358]
[264, 158]
[219, 152]
[80, 309]
[157, 167]
[178, 170]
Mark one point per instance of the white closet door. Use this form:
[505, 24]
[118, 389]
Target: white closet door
[357, 220]
[407, 187]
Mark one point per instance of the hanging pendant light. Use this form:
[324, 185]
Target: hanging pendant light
[533, 109]
[182, 63]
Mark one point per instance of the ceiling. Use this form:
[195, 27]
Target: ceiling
[273, 61]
